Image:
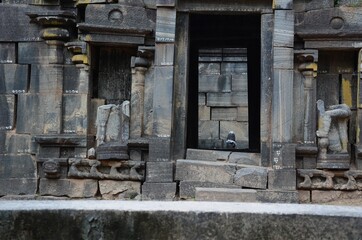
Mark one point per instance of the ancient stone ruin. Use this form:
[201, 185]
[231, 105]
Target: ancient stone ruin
[233, 100]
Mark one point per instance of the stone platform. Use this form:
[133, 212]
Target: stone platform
[91, 219]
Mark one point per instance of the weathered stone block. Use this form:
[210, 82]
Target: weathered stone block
[158, 191]
[304, 196]
[46, 79]
[72, 82]
[162, 100]
[95, 103]
[148, 102]
[111, 190]
[205, 171]
[276, 196]
[210, 143]
[15, 25]
[202, 98]
[160, 149]
[165, 25]
[18, 186]
[209, 68]
[207, 155]
[308, 5]
[242, 114]
[234, 54]
[13, 78]
[252, 177]
[233, 99]
[204, 113]
[188, 188]
[209, 55]
[245, 158]
[17, 166]
[75, 113]
[340, 197]
[7, 110]
[224, 114]
[39, 53]
[282, 179]
[239, 82]
[283, 4]
[284, 156]
[159, 171]
[283, 58]
[18, 144]
[7, 53]
[208, 130]
[215, 83]
[28, 118]
[234, 68]
[164, 55]
[74, 188]
[225, 195]
[135, 155]
[283, 28]
[165, 3]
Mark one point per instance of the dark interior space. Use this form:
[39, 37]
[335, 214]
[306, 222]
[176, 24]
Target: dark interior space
[226, 31]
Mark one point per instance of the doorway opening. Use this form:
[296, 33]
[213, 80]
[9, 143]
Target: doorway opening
[224, 82]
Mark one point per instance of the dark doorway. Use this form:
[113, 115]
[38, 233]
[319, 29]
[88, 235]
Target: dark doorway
[223, 49]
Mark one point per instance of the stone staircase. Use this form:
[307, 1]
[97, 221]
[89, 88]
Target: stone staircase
[208, 175]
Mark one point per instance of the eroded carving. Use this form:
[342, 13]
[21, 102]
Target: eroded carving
[120, 170]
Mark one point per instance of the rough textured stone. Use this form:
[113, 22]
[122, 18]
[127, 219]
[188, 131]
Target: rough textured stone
[7, 109]
[204, 113]
[165, 54]
[13, 78]
[205, 171]
[283, 4]
[208, 130]
[28, 118]
[188, 188]
[214, 83]
[18, 186]
[233, 99]
[159, 171]
[207, 155]
[252, 177]
[283, 28]
[282, 179]
[304, 196]
[225, 195]
[319, 196]
[283, 58]
[276, 196]
[17, 166]
[39, 52]
[158, 191]
[7, 53]
[224, 114]
[46, 78]
[119, 189]
[18, 144]
[245, 158]
[165, 25]
[74, 188]
[159, 149]
[75, 113]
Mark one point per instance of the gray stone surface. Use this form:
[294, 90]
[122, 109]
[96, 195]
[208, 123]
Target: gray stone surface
[165, 25]
[233, 99]
[28, 118]
[245, 158]
[224, 114]
[278, 196]
[46, 79]
[18, 186]
[17, 166]
[119, 189]
[283, 4]
[7, 109]
[71, 80]
[282, 179]
[13, 78]
[283, 28]
[320, 196]
[214, 83]
[176, 220]
[75, 113]
[205, 171]
[164, 54]
[158, 191]
[74, 188]
[159, 171]
[304, 196]
[207, 155]
[283, 58]
[252, 177]
[18, 144]
[39, 52]
[188, 188]
[225, 195]
[7, 52]
[160, 149]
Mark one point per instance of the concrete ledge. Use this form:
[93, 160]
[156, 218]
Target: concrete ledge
[89, 219]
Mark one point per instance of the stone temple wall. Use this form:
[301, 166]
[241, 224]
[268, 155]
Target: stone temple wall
[95, 103]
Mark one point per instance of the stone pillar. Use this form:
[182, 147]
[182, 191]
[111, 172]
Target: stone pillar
[359, 114]
[283, 175]
[308, 68]
[159, 169]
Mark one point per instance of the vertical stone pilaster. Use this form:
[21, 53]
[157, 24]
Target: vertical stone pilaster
[160, 148]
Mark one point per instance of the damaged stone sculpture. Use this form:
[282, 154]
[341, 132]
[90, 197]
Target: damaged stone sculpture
[332, 129]
[112, 131]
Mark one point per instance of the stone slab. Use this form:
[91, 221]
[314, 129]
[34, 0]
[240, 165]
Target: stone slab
[164, 55]
[160, 149]
[165, 25]
[225, 195]
[283, 4]
[204, 113]
[158, 191]
[208, 130]
[283, 58]
[234, 68]
[282, 179]
[176, 220]
[307, 5]
[73, 188]
[14, 78]
[188, 188]
[95, 103]
[17, 166]
[165, 3]
[28, 118]
[283, 27]
[46, 79]
[224, 114]
[210, 143]
[207, 155]
[339, 197]
[75, 113]
[7, 110]
[252, 177]
[214, 83]
[239, 82]
[7, 53]
[18, 144]
[209, 68]
[39, 53]
[15, 25]
[111, 190]
[72, 82]
[245, 158]
[232, 99]
[205, 171]
[304, 196]
[277, 196]
[159, 172]
[18, 186]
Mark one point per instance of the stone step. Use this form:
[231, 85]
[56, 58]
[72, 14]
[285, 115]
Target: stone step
[188, 188]
[224, 156]
[222, 173]
[246, 195]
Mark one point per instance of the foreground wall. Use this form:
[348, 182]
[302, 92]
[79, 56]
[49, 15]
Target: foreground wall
[175, 220]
